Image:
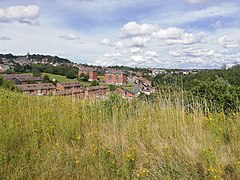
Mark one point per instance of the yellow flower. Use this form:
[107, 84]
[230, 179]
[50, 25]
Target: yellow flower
[77, 161]
[78, 137]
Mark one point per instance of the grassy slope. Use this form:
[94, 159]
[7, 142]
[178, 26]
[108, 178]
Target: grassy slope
[65, 138]
[59, 78]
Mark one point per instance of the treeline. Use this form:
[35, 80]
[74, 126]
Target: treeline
[219, 89]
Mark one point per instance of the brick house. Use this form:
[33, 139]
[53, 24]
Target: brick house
[22, 78]
[38, 89]
[96, 91]
[124, 93]
[80, 93]
[115, 77]
[68, 86]
[88, 71]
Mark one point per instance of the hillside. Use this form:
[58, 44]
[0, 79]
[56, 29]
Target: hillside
[65, 138]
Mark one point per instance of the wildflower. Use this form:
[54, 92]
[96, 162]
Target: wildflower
[77, 161]
[78, 137]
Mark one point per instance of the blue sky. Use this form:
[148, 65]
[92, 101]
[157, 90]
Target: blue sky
[145, 33]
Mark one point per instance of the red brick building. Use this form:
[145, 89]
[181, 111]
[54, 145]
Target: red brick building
[88, 71]
[22, 78]
[38, 89]
[68, 86]
[115, 77]
[96, 91]
[80, 93]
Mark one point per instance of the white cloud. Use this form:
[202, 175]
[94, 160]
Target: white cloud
[169, 33]
[140, 41]
[224, 10]
[151, 54]
[21, 14]
[135, 50]
[5, 38]
[204, 57]
[70, 36]
[186, 39]
[105, 42]
[229, 42]
[113, 55]
[119, 45]
[138, 59]
[146, 57]
[132, 29]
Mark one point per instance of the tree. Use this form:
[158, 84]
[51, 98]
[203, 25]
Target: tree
[84, 77]
[112, 87]
[36, 72]
[1, 80]
[70, 74]
[46, 79]
[95, 83]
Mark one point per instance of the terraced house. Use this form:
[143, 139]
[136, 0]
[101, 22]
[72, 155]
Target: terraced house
[38, 89]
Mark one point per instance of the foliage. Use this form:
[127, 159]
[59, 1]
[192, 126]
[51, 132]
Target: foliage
[114, 139]
[219, 88]
[112, 87]
[71, 74]
[36, 72]
[94, 83]
[46, 79]
[84, 77]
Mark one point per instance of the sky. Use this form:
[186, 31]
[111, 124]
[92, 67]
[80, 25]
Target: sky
[142, 33]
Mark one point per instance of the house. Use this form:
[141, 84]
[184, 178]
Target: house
[38, 89]
[23, 60]
[96, 91]
[88, 71]
[124, 93]
[115, 77]
[22, 78]
[4, 68]
[68, 86]
[80, 93]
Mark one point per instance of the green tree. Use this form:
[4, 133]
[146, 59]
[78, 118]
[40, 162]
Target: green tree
[46, 79]
[70, 74]
[36, 72]
[94, 83]
[112, 87]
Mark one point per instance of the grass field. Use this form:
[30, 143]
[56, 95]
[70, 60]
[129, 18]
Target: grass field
[65, 138]
[59, 78]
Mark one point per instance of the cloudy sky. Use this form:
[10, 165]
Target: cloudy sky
[145, 33]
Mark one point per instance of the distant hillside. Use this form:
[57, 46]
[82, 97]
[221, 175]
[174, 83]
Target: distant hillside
[38, 57]
[53, 59]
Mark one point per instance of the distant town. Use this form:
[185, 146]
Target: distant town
[32, 75]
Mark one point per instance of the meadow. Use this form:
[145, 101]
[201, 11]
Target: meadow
[68, 138]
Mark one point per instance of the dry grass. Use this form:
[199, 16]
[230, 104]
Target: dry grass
[65, 138]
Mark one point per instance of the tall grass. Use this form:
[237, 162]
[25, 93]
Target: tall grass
[66, 138]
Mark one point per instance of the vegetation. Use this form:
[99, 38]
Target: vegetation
[58, 78]
[220, 88]
[115, 139]
[8, 85]
[94, 83]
